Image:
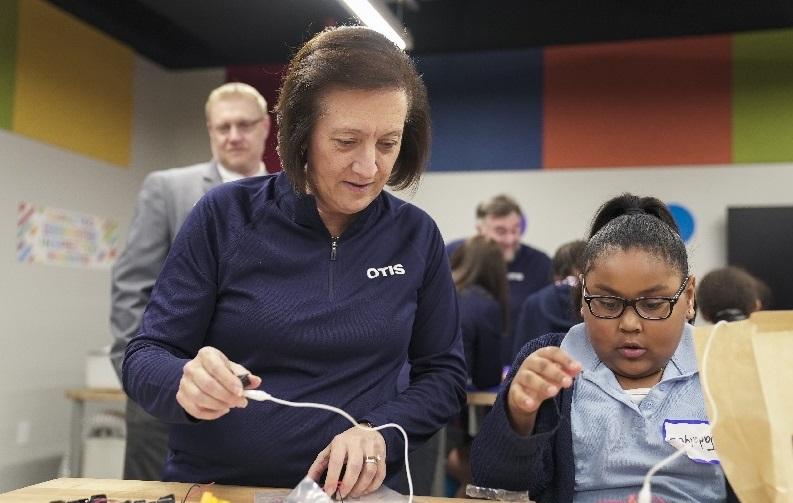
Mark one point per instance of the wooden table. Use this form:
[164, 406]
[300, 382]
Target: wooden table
[478, 399]
[79, 397]
[481, 398]
[71, 489]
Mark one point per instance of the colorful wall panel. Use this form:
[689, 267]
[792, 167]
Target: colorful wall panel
[65, 83]
[686, 101]
[641, 103]
[711, 100]
[762, 97]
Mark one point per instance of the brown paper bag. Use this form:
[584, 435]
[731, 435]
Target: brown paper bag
[749, 373]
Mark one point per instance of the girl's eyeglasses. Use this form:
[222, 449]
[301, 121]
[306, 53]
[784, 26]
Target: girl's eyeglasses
[609, 307]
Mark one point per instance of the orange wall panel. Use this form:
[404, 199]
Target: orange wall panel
[639, 103]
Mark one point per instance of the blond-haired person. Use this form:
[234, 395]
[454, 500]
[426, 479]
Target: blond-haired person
[238, 126]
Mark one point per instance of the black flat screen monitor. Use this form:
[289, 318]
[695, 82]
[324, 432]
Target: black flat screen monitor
[760, 239]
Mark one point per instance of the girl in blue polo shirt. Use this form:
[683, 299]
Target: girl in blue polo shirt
[583, 416]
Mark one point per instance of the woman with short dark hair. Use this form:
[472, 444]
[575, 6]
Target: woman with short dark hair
[350, 58]
[317, 284]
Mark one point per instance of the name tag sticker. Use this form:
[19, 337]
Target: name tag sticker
[695, 436]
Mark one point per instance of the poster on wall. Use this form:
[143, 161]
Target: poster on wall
[60, 237]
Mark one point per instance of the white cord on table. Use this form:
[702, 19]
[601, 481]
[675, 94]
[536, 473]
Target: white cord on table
[261, 396]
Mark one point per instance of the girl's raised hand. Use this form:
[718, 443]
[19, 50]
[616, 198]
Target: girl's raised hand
[541, 376]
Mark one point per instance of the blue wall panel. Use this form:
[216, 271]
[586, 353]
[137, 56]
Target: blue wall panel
[486, 110]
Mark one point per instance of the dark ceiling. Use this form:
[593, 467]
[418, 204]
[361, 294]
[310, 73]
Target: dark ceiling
[206, 33]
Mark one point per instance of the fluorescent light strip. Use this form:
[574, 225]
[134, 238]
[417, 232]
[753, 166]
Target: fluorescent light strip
[370, 16]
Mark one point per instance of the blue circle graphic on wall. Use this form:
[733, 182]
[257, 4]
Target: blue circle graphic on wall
[684, 219]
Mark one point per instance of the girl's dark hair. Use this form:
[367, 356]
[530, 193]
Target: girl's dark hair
[631, 204]
[350, 57]
[729, 294]
[479, 261]
[628, 221]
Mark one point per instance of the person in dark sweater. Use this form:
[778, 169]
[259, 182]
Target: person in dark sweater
[528, 269]
[584, 416]
[317, 284]
[728, 294]
[551, 308]
[479, 274]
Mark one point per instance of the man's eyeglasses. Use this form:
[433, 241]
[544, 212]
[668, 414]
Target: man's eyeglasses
[243, 126]
[610, 307]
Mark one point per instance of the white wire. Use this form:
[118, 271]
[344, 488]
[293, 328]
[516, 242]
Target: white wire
[261, 396]
[645, 494]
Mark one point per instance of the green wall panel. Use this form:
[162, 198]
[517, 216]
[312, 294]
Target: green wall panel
[762, 97]
[8, 47]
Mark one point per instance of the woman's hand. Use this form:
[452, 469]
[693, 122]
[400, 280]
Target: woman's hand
[361, 452]
[209, 387]
[541, 376]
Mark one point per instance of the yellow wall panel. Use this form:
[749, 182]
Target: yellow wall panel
[73, 84]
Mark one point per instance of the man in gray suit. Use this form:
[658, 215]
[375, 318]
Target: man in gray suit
[238, 127]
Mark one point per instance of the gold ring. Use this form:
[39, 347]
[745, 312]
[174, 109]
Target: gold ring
[372, 459]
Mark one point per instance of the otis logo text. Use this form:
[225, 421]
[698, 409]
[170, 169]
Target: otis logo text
[389, 270]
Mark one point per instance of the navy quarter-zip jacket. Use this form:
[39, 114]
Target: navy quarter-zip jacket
[254, 273]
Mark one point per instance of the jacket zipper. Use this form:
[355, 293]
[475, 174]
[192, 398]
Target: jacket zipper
[334, 245]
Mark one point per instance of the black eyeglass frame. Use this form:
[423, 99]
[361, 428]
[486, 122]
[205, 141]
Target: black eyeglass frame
[632, 302]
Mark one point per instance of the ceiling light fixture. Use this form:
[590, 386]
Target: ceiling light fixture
[376, 16]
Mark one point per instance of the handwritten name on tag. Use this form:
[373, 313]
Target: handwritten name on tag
[695, 436]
